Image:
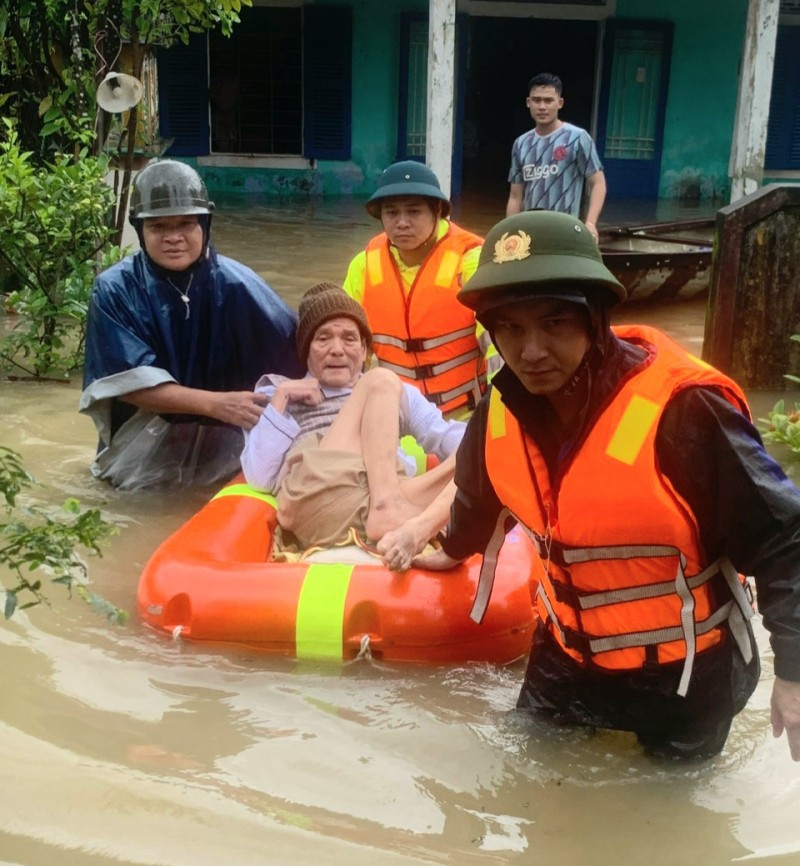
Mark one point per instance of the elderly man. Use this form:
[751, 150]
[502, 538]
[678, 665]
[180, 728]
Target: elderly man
[327, 444]
[177, 336]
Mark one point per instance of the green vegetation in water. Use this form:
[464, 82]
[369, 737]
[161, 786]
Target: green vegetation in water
[33, 540]
[782, 425]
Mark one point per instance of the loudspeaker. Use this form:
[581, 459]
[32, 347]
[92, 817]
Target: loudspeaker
[118, 92]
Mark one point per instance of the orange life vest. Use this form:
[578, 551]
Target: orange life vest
[426, 336]
[624, 580]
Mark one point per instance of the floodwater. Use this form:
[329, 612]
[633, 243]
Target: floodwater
[118, 746]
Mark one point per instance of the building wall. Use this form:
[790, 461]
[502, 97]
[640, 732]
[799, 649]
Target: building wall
[376, 46]
[374, 111]
[707, 45]
[701, 104]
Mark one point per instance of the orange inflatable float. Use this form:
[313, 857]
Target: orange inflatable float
[212, 581]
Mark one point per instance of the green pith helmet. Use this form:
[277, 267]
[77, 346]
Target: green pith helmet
[539, 254]
[168, 188]
[407, 178]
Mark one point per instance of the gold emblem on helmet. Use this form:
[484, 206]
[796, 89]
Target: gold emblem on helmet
[512, 248]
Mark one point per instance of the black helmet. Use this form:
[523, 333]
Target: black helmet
[167, 187]
[407, 178]
[540, 254]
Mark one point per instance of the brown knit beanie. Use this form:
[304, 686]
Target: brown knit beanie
[322, 302]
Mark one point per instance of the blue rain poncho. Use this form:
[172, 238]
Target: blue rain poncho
[141, 333]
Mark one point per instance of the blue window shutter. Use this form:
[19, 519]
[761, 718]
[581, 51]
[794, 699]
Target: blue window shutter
[783, 130]
[183, 96]
[327, 81]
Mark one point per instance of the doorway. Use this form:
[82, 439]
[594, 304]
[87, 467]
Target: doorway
[504, 54]
[633, 106]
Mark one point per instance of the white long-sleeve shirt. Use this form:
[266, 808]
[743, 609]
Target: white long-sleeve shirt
[268, 443]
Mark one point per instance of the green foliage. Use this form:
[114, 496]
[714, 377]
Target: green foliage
[54, 222]
[164, 22]
[782, 426]
[53, 53]
[47, 74]
[33, 540]
[56, 211]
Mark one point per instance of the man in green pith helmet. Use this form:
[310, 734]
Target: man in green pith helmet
[407, 280]
[635, 468]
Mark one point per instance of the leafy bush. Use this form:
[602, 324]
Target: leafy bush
[43, 542]
[782, 426]
[54, 228]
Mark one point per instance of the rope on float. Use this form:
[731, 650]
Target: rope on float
[364, 651]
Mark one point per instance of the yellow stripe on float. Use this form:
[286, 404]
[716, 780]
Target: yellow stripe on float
[637, 419]
[247, 490]
[320, 611]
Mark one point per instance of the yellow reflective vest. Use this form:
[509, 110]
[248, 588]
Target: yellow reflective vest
[425, 335]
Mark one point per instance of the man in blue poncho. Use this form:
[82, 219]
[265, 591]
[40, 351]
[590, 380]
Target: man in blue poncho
[176, 338]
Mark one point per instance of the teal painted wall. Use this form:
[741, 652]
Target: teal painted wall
[708, 40]
[376, 61]
[706, 52]
[376, 67]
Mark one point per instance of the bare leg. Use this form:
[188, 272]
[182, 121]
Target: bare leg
[423, 489]
[399, 546]
[369, 424]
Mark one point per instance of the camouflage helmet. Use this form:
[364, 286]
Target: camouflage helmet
[167, 187]
[407, 178]
[540, 254]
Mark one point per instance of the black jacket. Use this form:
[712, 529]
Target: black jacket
[746, 507]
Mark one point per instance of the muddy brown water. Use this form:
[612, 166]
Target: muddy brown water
[118, 746]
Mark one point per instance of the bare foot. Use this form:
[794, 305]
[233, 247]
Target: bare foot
[388, 514]
[400, 546]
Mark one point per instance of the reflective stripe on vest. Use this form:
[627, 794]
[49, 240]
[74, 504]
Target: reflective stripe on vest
[425, 371]
[445, 273]
[423, 344]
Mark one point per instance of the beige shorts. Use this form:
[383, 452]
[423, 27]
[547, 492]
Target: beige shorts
[323, 494]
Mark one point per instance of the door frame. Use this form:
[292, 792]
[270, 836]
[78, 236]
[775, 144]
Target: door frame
[645, 183]
[459, 95]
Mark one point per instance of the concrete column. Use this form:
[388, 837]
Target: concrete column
[441, 89]
[752, 108]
